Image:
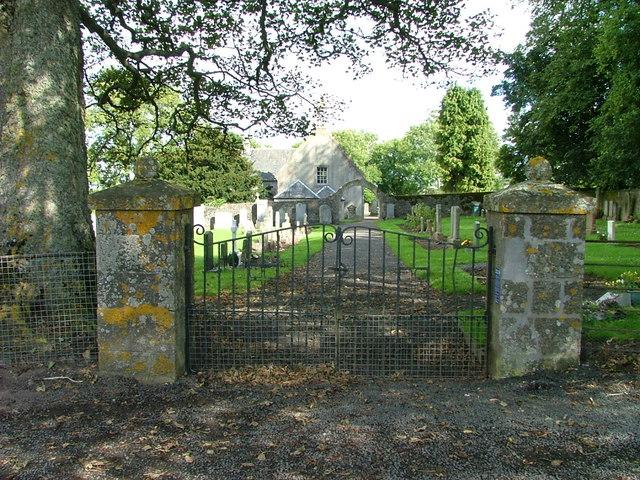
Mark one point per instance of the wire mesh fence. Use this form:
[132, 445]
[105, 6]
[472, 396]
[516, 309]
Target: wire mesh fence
[416, 346]
[47, 307]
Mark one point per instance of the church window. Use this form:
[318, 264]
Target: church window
[322, 176]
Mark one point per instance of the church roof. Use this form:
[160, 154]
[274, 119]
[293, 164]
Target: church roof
[325, 191]
[270, 159]
[296, 190]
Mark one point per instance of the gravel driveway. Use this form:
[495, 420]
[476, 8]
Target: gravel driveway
[274, 423]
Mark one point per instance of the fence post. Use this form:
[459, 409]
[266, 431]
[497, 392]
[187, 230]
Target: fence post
[142, 268]
[537, 281]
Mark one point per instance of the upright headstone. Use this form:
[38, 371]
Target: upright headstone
[261, 211]
[325, 214]
[277, 222]
[374, 208]
[455, 224]
[438, 234]
[536, 307]
[611, 230]
[143, 267]
[301, 211]
[391, 210]
[223, 220]
[199, 216]
[244, 220]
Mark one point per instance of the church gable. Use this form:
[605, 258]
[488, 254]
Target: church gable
[318, 166]
[297, 190]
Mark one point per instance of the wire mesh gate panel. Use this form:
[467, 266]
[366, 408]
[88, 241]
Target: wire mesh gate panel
[47, 307]
[366, 300]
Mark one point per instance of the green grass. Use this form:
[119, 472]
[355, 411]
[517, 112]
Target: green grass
[442, 261]
[237, 279]
[627, 328]
[611, 253]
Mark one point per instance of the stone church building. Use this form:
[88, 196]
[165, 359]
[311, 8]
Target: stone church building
[317, 173]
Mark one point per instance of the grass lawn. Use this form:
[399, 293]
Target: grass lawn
[627, 328]
[442, 261]
[236, 279]
[612, 253]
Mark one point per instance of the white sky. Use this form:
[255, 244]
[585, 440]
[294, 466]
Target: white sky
[387, 105]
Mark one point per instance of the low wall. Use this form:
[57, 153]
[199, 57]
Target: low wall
[621, 205]
[447, 200]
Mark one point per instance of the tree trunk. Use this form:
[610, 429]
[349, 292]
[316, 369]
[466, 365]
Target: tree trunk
[43, 179]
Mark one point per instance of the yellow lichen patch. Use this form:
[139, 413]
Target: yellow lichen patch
[512, 228]
[532, 251]
[142, 222]
[577, 230]
[126, 315]
[139, 367]
[125, 356]
[537, 161]
[576, 324]
[573, 291]
[163, 366]
[160, 238]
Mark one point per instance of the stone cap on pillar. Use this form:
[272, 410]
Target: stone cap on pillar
[145, 192]
[538, 194]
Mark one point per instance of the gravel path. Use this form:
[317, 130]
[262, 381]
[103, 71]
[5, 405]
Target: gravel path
[316, 424]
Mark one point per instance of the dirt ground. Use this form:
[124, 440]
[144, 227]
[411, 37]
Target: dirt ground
[68, 422]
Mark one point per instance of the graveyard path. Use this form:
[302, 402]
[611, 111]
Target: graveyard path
[369, 275]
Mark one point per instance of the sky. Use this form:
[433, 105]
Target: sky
[387, 105]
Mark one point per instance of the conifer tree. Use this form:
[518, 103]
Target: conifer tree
[467, 142]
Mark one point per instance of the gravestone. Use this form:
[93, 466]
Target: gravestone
[391, 210]
[455, 224]
[438, 234]
[611, 230]
[301, 212]
[325, 214]
[374, 208]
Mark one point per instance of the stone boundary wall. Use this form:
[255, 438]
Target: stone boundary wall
[447, 200]
[621, 205]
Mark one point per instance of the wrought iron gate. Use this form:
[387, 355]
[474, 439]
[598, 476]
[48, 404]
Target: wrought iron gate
[368, 301]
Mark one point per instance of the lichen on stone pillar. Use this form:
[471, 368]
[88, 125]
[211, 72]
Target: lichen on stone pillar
[146, 168]
[539, 169]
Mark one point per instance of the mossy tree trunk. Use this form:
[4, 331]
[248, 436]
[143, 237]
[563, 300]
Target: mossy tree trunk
[43, 180]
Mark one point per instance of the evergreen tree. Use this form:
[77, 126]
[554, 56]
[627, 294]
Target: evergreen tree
[211, 162]
[467, 142]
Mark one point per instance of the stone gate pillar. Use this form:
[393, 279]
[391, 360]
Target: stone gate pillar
[539, 230]
[140, 229]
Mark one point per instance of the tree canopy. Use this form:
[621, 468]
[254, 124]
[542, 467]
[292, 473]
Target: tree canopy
[408, 165]
[359, 145]
[236, 65]
[243, 64]
[467, 142]
[573, 91]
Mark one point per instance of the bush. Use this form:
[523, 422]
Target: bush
[420, 211]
